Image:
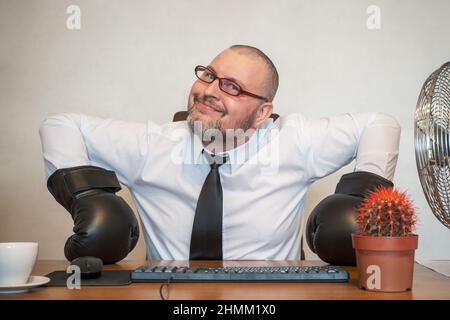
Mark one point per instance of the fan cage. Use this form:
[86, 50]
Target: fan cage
[432, 142]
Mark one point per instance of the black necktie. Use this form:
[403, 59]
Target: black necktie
[206, 239]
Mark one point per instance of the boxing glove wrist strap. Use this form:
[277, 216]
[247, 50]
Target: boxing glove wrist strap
[360, 183]
[65, 184]
[91, 178]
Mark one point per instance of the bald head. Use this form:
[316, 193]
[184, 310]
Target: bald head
[271, 81]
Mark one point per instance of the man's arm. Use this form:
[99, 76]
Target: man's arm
[372, 138]
[70, 140]
[77, 151]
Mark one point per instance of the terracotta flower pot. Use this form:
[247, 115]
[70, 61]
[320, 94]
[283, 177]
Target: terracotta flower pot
[385, 263]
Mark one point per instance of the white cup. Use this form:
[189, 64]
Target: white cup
[17, 260]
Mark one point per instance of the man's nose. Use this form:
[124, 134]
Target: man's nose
[213, 89]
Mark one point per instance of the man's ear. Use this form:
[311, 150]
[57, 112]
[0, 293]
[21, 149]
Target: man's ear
[263, 112]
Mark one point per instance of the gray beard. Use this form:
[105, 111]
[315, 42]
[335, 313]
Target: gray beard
[200, 128]
[213, 131]
[214, 124]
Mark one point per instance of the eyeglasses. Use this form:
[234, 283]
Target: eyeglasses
[207, 75]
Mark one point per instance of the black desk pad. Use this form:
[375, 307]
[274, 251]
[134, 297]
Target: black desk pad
[108, 278]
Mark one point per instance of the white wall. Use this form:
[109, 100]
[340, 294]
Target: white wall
[133, 60]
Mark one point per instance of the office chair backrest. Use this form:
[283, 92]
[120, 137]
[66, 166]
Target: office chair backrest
[182, 115]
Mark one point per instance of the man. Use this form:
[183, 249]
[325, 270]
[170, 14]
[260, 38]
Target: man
[228, 183]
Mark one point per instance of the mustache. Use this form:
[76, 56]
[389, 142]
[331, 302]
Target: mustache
[209, 101]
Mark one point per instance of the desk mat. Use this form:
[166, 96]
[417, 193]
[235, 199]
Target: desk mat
[108, 278]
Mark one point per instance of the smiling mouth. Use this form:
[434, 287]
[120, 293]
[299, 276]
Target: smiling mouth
[206, 107]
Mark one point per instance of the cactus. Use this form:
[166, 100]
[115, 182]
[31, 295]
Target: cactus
[386, 212]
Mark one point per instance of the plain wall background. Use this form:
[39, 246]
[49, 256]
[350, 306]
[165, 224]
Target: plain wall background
[134, 61]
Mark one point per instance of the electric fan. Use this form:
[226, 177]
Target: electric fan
[432, 141]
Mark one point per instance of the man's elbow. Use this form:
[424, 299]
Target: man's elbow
[389, 123]
[57, 120]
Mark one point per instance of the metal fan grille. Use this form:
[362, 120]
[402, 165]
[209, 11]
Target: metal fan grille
[432, 141]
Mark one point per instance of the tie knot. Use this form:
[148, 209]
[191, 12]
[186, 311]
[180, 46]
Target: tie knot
[215, 161]
[215, 166]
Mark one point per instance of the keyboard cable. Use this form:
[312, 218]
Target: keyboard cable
[164, 284]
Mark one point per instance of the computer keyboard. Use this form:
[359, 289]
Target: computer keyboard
[219, 274]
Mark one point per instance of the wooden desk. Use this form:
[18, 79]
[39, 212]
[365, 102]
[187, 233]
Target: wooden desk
[427, 285]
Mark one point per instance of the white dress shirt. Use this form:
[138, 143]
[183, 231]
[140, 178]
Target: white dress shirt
[264, 183]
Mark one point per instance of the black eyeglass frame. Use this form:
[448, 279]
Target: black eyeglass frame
[240, 91]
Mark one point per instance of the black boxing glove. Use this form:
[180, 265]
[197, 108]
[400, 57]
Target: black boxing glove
[332, 221]
[104, 224]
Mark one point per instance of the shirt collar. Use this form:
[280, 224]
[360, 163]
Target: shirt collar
[236, 157]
